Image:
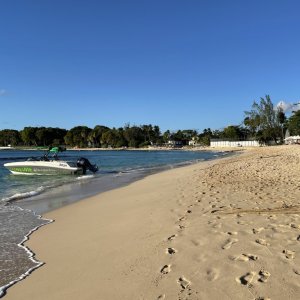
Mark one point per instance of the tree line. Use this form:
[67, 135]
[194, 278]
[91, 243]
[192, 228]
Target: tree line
[99, 136]
[263, 122]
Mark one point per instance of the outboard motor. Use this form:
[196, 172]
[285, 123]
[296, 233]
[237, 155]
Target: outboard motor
[86, 165]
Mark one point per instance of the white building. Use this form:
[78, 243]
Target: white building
[292, 140]
[193, 142]
[223, 143]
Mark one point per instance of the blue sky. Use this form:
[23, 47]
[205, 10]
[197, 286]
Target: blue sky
[177, 64]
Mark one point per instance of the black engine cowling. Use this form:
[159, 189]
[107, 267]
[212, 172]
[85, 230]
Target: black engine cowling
[86, 165]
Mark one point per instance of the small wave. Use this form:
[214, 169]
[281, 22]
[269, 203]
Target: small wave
[83, 177]
[108, 172]
[19, 196]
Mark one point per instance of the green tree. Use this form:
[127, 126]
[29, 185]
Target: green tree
[293, 123]
[205, 136]
[78, 136]
[95, 136]
[166, 136]
[264, 120]
[281, 120]
[9, 137]
[28, 136]
[133, 135]
[231, 132]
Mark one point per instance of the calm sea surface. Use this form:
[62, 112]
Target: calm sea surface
[23, 198]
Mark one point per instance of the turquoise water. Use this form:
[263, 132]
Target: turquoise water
[14, 187]
[22, 198]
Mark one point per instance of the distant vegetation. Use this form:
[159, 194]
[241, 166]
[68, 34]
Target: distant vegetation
[100, 136]
[263, 122]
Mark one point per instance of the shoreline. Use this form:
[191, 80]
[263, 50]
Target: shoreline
[43, 215]
[158, 237]
[53, 199]
[31, 254]
[88, 188]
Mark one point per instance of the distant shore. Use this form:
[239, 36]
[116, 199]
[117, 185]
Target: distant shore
[184, 148]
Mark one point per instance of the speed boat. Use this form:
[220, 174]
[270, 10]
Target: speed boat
[46, 165]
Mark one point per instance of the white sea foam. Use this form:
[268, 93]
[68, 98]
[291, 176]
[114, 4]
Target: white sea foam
[84, 177]
[18, 196]
[30, 254]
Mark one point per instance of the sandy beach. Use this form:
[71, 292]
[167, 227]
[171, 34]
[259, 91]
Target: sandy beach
[228, 228]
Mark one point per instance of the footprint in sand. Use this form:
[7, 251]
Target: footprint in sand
[229, 243]
[264, 276]
[296, 226]
[244, 257]
[296, 271]
[184, 283]
[165, 269]
[218, 225]
[247, 278]
[289, 254]
[171, 251]
[257, 230]
[232, 233]
[262, 242]
[212, 274]
[172, 237]
[241, 223]
[182, 219]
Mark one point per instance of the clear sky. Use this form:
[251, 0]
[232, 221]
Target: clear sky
[177, 64]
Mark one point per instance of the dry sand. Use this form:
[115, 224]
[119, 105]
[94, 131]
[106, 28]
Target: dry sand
[225, 229]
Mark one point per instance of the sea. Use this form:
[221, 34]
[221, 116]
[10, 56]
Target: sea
[25, 198]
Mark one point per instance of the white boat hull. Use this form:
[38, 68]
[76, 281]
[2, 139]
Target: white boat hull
[43, 168]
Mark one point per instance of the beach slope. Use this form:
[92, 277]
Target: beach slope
[227, 228]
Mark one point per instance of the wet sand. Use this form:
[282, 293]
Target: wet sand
[226, 228]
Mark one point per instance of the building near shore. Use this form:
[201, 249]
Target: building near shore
[233, 143]
[290, 140]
